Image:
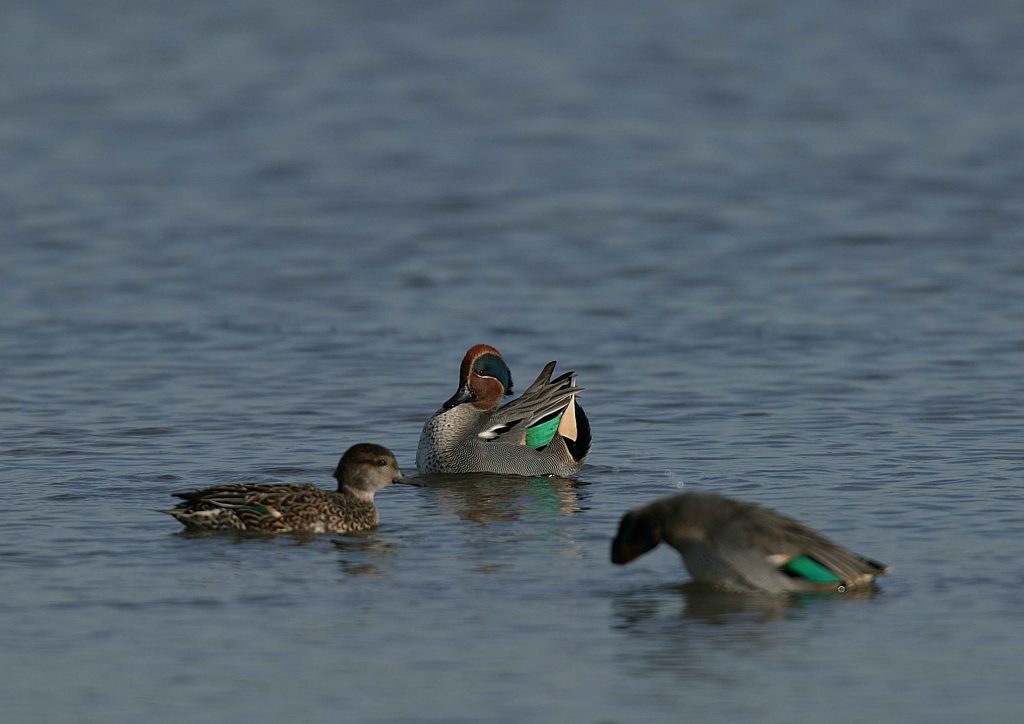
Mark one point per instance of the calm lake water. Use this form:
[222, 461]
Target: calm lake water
[781, 244]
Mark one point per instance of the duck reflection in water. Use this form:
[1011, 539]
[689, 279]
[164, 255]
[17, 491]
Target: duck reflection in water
[363, 553]
[720, 607]
[700, 602]
[699, 631]
[486, 497]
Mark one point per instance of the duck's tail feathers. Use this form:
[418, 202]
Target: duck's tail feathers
[579, 447]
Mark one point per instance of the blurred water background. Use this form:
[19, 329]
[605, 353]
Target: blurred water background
[780, 243]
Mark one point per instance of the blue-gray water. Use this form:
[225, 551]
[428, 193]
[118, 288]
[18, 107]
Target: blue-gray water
[782, 244]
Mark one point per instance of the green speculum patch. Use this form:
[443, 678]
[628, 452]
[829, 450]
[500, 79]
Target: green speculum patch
[542, 432]
[809, 569]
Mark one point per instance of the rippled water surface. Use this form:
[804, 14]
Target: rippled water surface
[782, 245]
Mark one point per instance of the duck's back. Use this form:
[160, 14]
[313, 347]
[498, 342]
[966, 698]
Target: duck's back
[273, 509]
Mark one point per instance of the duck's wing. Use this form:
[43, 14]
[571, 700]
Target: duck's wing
[233, 495]
[758, 536]
[255, 505]
[546, 408]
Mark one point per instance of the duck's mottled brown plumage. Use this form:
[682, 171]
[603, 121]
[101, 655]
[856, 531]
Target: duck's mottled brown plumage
[296, 508]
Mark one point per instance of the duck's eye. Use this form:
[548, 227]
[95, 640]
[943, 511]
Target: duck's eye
[381, 462]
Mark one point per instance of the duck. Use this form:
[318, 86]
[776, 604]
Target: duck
[544, 431]
[739, 546]
[364, 469]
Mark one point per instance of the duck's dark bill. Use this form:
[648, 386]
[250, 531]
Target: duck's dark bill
[623, 553]
[463, 394]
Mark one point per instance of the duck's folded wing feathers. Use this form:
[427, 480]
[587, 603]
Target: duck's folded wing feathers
[780, 539]
[244, 495]
[542, 398]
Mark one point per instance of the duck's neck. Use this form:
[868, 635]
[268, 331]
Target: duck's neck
[365, 496]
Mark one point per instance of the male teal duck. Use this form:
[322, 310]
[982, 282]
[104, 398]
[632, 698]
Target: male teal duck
[542, 432]
[741, 546]
[297, 508]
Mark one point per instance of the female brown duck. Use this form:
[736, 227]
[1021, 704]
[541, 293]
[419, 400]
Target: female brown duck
[297, 508]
